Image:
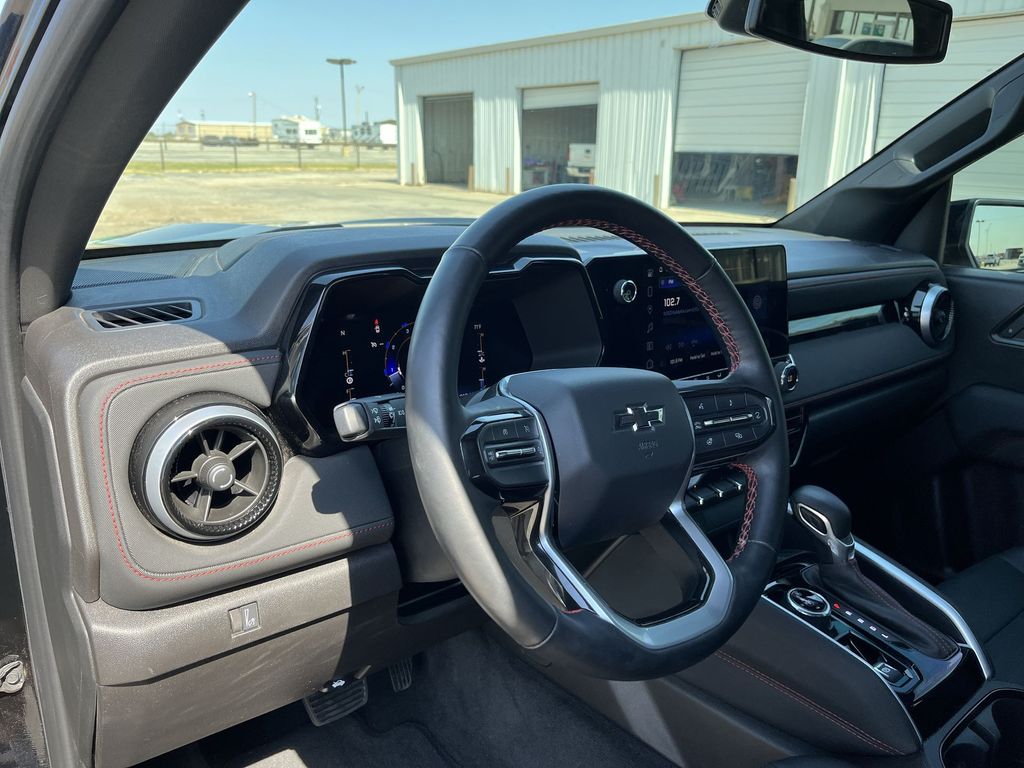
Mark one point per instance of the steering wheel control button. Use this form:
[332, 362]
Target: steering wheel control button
[730, 401]
[807, 602]
[701, 407]
[738, 436]
[500, 432]
[712, 441]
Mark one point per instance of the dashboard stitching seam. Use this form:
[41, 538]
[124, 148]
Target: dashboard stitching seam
[809, 703]
[698, 292]
[748, 511]
[104, 406]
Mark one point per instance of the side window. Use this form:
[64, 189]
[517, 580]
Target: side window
[986, 222]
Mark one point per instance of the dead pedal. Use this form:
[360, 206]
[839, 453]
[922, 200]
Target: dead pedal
[401, 675]
[335, 700]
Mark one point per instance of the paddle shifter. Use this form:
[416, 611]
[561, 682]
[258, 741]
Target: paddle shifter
[827, 519]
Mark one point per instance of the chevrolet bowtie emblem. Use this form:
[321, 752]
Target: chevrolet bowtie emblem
[639, 417]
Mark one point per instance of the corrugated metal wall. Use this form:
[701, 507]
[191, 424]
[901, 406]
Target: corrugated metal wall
[637, 72]
[745, 96]
[640, 116]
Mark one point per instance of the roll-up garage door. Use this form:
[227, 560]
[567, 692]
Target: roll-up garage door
[745, 98]
[582, 95]
[448, 138]
[976, 49]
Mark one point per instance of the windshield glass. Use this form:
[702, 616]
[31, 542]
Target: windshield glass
[326, 112]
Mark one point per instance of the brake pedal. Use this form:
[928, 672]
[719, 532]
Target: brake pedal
[401, 675]
[335, 700]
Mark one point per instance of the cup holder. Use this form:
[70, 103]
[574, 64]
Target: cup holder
[992, 736]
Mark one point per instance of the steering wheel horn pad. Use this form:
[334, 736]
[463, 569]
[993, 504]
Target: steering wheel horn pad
[618, 449]
[622, 442]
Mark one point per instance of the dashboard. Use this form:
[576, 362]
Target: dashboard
[545, 312]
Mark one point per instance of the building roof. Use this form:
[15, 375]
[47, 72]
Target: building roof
[221, 122]
[614, 29]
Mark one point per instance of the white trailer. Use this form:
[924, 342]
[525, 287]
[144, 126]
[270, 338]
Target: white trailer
[292, 131]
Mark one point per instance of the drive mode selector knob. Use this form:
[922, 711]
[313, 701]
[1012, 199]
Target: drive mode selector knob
[807, 602]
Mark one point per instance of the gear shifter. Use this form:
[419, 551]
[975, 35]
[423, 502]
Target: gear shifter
[827, 519]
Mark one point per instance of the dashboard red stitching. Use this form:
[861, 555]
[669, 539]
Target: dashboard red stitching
[809, 703]
[748, 510]
[219, 569]
[695, 288]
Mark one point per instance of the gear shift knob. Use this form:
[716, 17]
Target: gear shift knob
[827, 519]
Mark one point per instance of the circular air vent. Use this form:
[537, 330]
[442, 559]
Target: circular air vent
[206, 467]
[931, 308]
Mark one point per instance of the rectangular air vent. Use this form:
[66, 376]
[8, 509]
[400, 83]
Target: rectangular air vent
[146, 314]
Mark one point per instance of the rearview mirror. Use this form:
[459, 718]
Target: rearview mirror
[883, 31]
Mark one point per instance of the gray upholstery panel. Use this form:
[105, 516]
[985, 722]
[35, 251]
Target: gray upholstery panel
[142, 721]
[135, 646]
[325, 506]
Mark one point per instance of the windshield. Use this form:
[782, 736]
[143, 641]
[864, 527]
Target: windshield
[326, 112]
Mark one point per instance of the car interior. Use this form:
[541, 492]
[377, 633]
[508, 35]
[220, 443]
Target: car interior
[627, 492]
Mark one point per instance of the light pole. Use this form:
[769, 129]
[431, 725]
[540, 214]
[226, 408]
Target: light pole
[359, 92]
[252, 95]
[341, 64]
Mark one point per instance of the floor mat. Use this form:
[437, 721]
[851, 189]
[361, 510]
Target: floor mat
[471, 704]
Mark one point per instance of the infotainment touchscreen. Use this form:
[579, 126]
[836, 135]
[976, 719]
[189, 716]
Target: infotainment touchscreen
[653, 322]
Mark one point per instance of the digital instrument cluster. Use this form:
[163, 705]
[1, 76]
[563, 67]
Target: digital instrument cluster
[552, 312]
[368, 325]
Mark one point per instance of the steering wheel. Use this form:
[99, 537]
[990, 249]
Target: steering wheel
[595, 454]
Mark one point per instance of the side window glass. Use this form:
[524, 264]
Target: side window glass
[987, 214]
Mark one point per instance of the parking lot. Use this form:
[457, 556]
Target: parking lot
[171, 183]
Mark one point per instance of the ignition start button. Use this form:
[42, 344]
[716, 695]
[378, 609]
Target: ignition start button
[807, 602]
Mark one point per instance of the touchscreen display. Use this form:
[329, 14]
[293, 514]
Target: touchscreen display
[663, 328]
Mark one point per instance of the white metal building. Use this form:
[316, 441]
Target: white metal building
[666, 106]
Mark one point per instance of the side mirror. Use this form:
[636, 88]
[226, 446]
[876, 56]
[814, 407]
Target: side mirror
[987, 234]
[881, 31]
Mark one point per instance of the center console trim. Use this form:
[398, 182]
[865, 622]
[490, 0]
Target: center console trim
[924, 591]
[866, 666]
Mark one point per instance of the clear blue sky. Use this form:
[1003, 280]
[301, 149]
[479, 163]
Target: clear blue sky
[277, 49]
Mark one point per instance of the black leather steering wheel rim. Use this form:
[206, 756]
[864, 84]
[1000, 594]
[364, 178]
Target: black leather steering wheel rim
[469, 523]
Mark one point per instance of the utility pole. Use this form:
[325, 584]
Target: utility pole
[252, 95]
[316, 107]
[359, 93]
[341, 64]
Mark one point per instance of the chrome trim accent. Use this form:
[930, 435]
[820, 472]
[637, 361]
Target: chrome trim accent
[841, 549]
[927, 306]
[803, 611]
[177, 433]
[657, 636]
[926, 592]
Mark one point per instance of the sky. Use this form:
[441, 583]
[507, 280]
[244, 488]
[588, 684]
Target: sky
[276, 49]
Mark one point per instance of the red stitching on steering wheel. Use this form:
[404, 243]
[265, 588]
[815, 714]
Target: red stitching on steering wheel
[724, 332]
[748, 510]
